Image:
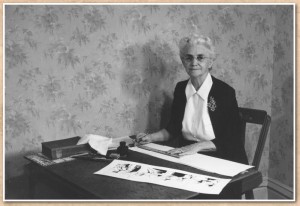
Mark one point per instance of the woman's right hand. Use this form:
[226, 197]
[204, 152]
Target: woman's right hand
[143, 138]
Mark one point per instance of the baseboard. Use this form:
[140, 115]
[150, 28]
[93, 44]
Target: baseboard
[278, 190]
[271, 189]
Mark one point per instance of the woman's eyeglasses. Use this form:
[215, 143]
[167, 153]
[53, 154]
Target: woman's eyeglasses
[190, 58]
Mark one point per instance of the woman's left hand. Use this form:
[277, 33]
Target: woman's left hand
[194, 148]
[186, 150]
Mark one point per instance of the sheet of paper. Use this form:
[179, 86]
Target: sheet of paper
[199, 161]
[164, 176]
[97, 142]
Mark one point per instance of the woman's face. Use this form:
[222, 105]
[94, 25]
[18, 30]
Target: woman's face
[196, 61]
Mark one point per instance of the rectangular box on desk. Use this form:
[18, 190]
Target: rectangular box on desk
[64, 148]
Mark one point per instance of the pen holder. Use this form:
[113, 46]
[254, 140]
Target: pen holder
[122, 149]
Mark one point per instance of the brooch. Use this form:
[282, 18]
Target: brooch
[212, 104]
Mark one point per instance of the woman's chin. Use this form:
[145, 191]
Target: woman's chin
[195, 73]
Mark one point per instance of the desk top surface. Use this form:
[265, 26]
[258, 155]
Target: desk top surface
[79, 174]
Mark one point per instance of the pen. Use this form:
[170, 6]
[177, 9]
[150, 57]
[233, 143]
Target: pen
[101, 159]
[133, 137]
[141, 137]
[94, 158]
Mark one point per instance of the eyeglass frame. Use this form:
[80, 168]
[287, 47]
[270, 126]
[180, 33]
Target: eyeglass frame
[192, 58]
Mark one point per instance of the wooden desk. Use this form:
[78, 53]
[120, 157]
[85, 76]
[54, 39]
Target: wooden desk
[78, 181]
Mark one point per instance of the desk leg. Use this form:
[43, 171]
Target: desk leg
[32, 181]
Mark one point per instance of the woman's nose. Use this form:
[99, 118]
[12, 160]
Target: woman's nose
[194, 61]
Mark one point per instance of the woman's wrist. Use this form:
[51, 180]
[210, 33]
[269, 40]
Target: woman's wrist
[205, 146]
[159, 136]
[151, 137]
[155, 137]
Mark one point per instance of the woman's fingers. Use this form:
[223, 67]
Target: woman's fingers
[186, 153]
[140, 137]
[181, 151]
[143, 142]
[175, 151]
[143, 138]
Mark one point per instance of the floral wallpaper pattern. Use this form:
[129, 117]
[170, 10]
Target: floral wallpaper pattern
[281, 146]
[112, 69]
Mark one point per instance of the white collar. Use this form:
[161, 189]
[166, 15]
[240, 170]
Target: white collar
[203, 91]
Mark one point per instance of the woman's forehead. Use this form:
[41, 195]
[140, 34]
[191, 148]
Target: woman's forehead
[196, 50]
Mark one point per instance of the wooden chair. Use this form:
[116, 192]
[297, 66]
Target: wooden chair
[256, 117]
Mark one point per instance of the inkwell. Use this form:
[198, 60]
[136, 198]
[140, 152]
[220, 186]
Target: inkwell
[122, 149]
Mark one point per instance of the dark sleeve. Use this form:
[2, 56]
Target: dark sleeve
[229, 143]
[171, 127]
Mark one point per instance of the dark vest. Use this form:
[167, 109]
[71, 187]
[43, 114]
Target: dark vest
[224, 116]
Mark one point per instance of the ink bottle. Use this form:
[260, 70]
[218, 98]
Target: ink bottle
[122, 149]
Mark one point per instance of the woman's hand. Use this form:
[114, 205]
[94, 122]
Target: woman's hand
[186, 150]
[193, 148]
[143, 138]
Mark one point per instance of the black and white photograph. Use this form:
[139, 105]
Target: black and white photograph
[93, 93]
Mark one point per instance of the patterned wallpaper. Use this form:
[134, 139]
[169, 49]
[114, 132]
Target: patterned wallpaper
[111, 70]
[281, 142]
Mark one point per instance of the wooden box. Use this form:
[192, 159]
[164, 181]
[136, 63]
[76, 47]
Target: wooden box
[64, 148]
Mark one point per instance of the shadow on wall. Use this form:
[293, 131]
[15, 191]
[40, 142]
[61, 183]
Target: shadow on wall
[281, 144]
[287, 95]
[149, 76]
[160, 100]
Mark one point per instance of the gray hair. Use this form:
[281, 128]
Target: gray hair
[195, 39]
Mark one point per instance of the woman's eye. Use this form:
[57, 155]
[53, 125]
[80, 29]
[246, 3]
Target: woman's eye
[200, 59]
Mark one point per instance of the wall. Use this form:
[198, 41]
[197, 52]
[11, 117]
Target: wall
[282, 138]
[111, 70]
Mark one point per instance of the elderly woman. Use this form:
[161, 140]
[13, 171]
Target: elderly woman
[204, 115]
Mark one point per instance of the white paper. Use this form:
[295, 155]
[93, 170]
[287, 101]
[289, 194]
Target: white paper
[164, 176]
[97, 142]
[199, 161]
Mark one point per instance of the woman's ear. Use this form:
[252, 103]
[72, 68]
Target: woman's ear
[210, 63]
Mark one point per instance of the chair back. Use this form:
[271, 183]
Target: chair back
[256, 117]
